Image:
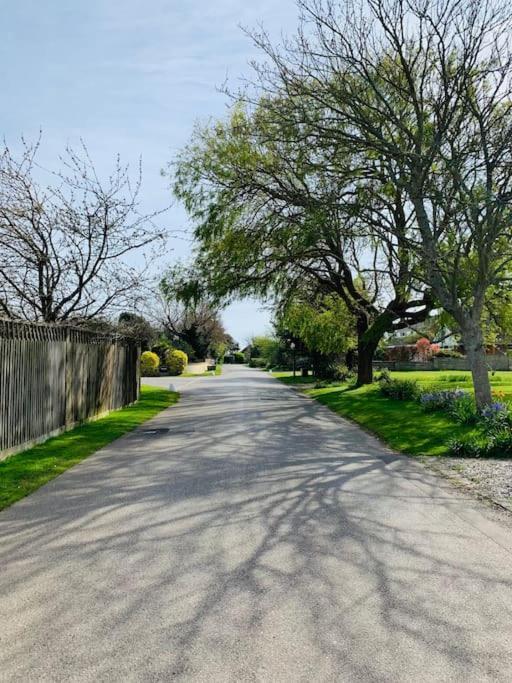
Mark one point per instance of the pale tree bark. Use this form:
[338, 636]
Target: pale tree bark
[425, 87]
[474, 345]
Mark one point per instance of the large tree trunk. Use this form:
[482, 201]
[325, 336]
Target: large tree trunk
[368, 338]
[365, 355]
[474, 344]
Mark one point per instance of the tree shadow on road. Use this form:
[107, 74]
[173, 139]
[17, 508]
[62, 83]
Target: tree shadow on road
[266, 533]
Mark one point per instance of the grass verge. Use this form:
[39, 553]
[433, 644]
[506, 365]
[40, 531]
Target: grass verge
[25, 472]
[287, 378]
[403, 425]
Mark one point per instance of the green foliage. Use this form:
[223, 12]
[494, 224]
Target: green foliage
[137, 327]
[266, 348]
[239, 357]
[496, 445]
[326, 327]
[176, 361]
[464, 410]
[218, 349]
[500, 444]
[149, 364]
[257, 363]
[383, 376]
[402, 389]
[402, 424]
[468, 446]
[448, 353]
[25, 472]
[339, 372]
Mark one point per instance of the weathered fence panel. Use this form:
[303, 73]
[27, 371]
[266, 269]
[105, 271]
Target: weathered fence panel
[53, 377]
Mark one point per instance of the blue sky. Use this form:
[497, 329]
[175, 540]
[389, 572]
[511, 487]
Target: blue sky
[130, 77]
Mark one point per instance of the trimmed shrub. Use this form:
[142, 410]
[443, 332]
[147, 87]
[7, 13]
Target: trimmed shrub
[176, 361]
[149, 364]
[339, 372]
[453, 378]
[238, 357]
[401, 389]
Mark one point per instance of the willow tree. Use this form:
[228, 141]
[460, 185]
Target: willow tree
[272, 210]
[425, 87]
[322, 324]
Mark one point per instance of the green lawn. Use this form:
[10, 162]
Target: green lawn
[287, 377]
[500, 380]
[402, 424]
[27, 471]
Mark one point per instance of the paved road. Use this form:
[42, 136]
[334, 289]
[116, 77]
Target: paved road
[253, 536]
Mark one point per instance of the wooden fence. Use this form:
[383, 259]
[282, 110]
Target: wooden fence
[54, 377]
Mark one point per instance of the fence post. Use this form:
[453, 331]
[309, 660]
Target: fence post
[68, 371]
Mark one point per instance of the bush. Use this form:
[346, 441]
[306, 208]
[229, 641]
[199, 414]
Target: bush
[448, 353]
[257, 363]
[500, 444]
[161, 349]
[470, 446]
[149, 364]
[383, 376]
[404, 352]
[333, 372]
[176, 361]
[453, 378]
[495, 417]
[463, 410]
[238, 357]
[441, 400]
[402, 389]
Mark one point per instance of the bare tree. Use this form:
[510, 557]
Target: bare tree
[64, 247]
[425, 87]
[189, 315]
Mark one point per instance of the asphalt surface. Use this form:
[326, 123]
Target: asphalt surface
[248, 534]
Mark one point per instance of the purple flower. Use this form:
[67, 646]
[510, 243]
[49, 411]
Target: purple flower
[494, 409]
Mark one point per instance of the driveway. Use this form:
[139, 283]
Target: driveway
[248, 534]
